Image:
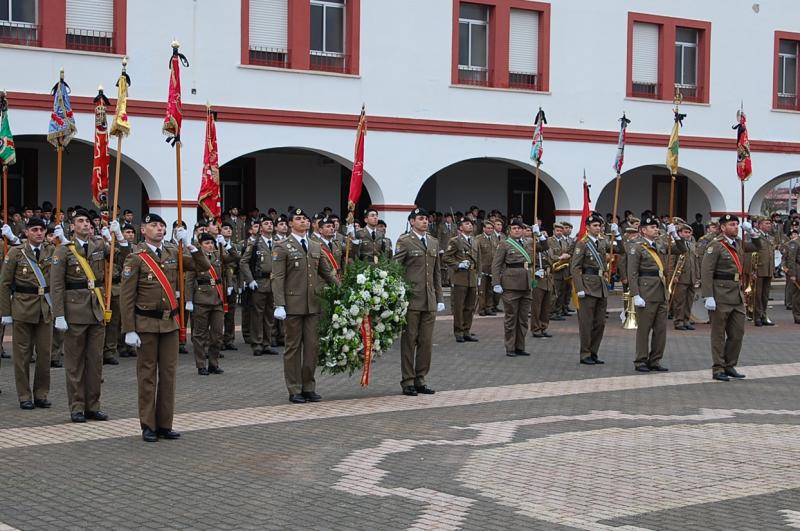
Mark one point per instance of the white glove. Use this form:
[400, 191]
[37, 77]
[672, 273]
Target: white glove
[439, 306]
[106, 234]
[355, 242]
[9, 234]
[351, 230]
[7, 320]
[614, 229]
[539, 273]
[182, 235]
[61, 324]
[464, 264]
[220, 239]
[280, 313]
[498, 289]
[117, 230]
[535, 228]
[672, 229]
[638, 301]
[710, 304]
[755, 233]
[230, 290]
[581, 294]
[177, 294]
[58, 233]
[253, 285]
[132, 340]
[189, 306]
[746, 225]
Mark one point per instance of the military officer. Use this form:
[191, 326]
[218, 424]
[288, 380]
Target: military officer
[149, 306]
[113, 346]
[587, 268]
[25, 302]
[298, 273]
[231, 276]
[57, 341]
[721, 282]
[247, 295]
[372, 242]
[256, 266]
[463, 258]
[647, 284]
[764, 270]
[683, 289]
[542, 285]
[559, 248]
[487, 245]
[447, 231]
[791, 263]
[329, 244]
[418, 253]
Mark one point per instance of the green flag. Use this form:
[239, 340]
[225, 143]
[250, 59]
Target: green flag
[7, 152]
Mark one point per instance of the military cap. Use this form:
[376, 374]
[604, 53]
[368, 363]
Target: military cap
[417, 212]
[634, 220]
[380, 223]
[712, 223]
[595, 218]
[728, 217]
[282, 217]
[631, 230]
[684, 226]
[152, 218]
[558, 225]
[516, 222]
[129, 227]
[36, 222]
[463, 220]
[678, 221]
[299, 212]
[174, 223]
[205, 237]
[488, 223]
[368, 210]
[318, 216]
[51, 228]
[266, 219]
[226, 223]
[448, 214]
[648, 221]
[567, 224]
[81, 212]
[327, 220]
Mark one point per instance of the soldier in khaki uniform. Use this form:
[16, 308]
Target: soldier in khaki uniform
[721, 282]
[25, 302]
[370, 242]
[647, 284]
[463, 257]
[418, 253]
[330, 244]
[247, 293]
[559, 248]
[57, 341]
[113, 346]
[487, 245]
[149, 321]
[588, 267]
[682, 296]
[446, 231]
[78, 308]
[791, 263]
[764, 271]
[541, 297]
[298, 273]
[231, 276]
[256, 267]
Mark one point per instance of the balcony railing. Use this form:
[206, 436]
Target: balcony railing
[19, 33]
[329, 62]
[275, 57]
[471, 75]
[645, 90]
[524, 81]
[690, 92]
[788, 102]
[90, 40]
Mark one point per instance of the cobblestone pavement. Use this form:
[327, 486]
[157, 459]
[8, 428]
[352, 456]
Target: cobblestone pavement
[506, 443]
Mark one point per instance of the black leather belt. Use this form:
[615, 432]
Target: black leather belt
[259, 274]
[515, 266]
[164, 315]
[76, 285]
[591, 271]
[116, 280]
[726, 276]
[31, 290]
[205, 282]
[649, 274]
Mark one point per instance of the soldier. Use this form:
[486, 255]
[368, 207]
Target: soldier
[682, 296]
[587, 267]
[487, 245]
[791, 263]
[149, 305]
[57, 341]
[331, 247]
[238, 229]
[206, 300]
[447, 230]
[542, 288]
[559, 249]
[77, 275]
[26, 269]
[418, 253]
[282, 228]
[764, 271]
[247, 295]
[298, 270]
[647, 285]
[127, 219]
[463, 257]
[511, 278]
[371, 243]
[231, 276]
[113, 346]
[256, 266]
[721, 282]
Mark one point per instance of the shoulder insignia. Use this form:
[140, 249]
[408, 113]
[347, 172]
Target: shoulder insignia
[55, 260]
[138, 251]
[709, 250]
[633, 250]
[127, 271]
[5, 260]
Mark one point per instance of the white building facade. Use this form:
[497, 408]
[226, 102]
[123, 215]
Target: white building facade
[450, 87]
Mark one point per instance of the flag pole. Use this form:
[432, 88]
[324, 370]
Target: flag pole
[535, 218]
[536, 154]
[618, 167]
[5, 205]
[673, 174]
[351, 204]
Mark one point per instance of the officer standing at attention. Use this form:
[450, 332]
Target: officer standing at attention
[721, 283]
[764, 271]
[487, 245]
[463, 257]
[418, 253]
[149, 305]
[26, 274]
[234, 253]
[256, 268]
[298, 272]
[372, 242]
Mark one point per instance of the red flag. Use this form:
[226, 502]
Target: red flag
[357, 177]
[744, 166]
[101, 158]
[209, 197]
[174, 117]
[586, 207]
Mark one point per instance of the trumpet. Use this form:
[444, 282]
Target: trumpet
[676, 275]
[630, 322]
[558, 265]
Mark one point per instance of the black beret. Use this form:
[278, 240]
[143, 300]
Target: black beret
[417, 212]
[728, 217]
[227, 223]
[81, 212]
[299, 212]
[205, 237]
[283, 218]
[650, 220]
[516, 222]
[595, 218]
[36, 222]
[327, 220]
[154, 218]
[464, 220]
[128, 226]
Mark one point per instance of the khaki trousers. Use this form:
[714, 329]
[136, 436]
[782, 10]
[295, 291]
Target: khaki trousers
[57, 346]
[795, 300]
[113, 329]
[681, 304]
[516, 307]
[24, 337]
[762, 298]
[247, 312]
[651, 334]
[485, 296]
[415, 347]
[207, 330]
[727, 332]
[302, 352]
[540, 310]
[462, 300]
[592, 324]
[229, 333]
[261, 320]
[83, 366]
[155, 374]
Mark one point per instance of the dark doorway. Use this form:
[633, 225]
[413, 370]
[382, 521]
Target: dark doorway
[661, 193]
[521, 184]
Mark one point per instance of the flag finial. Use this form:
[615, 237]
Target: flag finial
[61, 73]
[100, 88]
[124, 63]
[175, 44]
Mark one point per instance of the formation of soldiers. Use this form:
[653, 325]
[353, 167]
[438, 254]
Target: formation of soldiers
[273, 267]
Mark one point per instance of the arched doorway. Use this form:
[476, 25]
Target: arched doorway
[780, 194]
[490, 184]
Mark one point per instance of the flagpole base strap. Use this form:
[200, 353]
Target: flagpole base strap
[107, 316]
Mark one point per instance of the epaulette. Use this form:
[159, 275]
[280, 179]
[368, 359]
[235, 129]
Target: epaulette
[407, 235]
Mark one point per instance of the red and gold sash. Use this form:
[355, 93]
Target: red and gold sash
[329, 255]
[734, 255]
[218, 285]
[162, 279]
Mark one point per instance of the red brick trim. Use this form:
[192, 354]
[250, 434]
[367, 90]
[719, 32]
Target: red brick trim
[120, 26]
[53, 23]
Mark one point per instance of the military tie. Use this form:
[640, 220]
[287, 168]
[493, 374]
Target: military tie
[424, 243]
[269, 244]
[37, 252]
[373, 234]
[158, 253]
[303, 243]
[86, 250]
[330, 246]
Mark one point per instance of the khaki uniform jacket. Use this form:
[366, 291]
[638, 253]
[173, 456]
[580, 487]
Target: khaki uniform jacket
[201, 288]
[650, 288]
[25, 307]
[445, 233]
[593, 285]
[141, 289]
[717, 260]
[557, 247]
[690, 273]
[791, 260]
[457, 251]
[256, 264]
[766, 256]
[510, 268]
[544, 261]
[487, 246]
[299, 277]
[336, 248]
[423, 271]
[368, 248]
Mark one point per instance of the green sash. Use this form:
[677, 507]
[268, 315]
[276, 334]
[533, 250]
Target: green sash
[524, 253]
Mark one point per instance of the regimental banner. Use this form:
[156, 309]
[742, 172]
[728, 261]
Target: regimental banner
[620, 158]
[121, 126]
[537, 144]
[101, 157]
[357, 176]
[174, 116]
[744, 166]
[62, 122]
[673, 148]
[8, 152]
[209, 197]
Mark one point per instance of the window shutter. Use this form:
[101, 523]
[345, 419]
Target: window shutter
[645, 53]
[268, 24]
[523, 45]
[90, 15]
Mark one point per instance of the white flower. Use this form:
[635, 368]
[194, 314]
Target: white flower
[335, 317]
[336, 325]
[383, 274]
[345, 348]
[354, 310]
[380, 327]
[361, 279]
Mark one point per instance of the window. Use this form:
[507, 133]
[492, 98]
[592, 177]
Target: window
[645, 60]
[269, 20]
[18, 22]
[90, 25]
[787, 74]
[473, 44]
[523, 49]
[327, 35]
[686, 61]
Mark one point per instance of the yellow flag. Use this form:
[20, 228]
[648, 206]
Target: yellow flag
[120, 126]
[672, 149]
